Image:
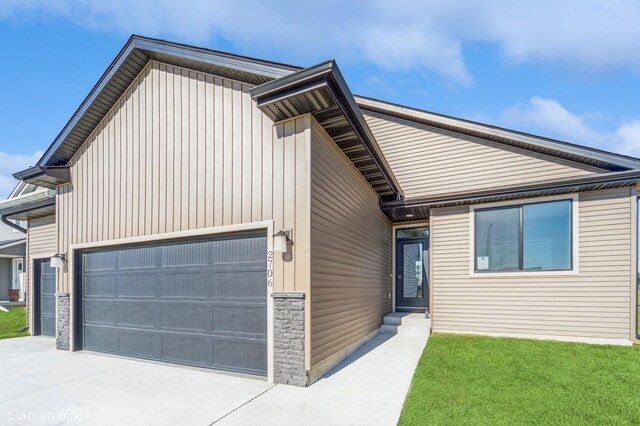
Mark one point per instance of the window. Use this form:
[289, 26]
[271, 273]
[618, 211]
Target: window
[527, 237]
[413, 233]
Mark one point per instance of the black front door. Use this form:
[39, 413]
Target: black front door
[412, 266]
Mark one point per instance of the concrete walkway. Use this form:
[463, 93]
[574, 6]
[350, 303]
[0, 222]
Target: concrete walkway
[41, 385]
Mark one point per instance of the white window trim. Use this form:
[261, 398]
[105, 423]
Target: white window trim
[574, 233]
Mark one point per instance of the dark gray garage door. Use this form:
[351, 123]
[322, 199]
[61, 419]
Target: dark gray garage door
[46, 287]
[200, 302]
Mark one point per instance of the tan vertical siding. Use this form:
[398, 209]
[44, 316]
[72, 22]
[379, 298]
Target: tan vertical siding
[350, 252]
[594, 303]
[428, 161]
[184, 150]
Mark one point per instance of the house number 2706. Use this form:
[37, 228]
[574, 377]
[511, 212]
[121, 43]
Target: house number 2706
[270, 268]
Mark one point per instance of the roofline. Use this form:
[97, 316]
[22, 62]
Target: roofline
[13, 243]
[328, 73]
[259, 66]
[629, 177]
[464, 126]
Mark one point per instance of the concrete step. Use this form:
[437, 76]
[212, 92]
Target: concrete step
[388, 329]
[405, 323]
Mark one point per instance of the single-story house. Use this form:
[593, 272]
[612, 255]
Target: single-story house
[13, 244]
[216, 210]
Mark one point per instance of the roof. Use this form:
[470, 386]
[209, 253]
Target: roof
[418, 208]
[581, 154]
[284, 91]
[29, 206]
[322, 91]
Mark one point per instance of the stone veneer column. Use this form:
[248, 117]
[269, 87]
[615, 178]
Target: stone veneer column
[288, 339]
[63, 319]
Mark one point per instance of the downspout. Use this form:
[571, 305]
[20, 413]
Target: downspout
[7, 222]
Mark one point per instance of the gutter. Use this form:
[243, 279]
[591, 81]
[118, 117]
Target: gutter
[23, 204]
[605, 179]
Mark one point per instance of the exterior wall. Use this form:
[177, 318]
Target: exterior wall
[592, 304]
[350, 256]
[5, 277]
[428, 161]
[17, 250]
[183, 150]
[41, 243]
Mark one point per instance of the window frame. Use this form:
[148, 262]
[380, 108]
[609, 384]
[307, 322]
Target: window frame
[573, 237]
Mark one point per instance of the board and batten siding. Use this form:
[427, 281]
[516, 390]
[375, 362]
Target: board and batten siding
[184, 150]
[595, 303]
[350, 255]
[41, 244]
[428, 161]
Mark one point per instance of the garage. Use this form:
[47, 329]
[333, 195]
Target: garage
[199, 302]
[44, 298]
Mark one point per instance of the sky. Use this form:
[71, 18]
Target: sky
[568, 70]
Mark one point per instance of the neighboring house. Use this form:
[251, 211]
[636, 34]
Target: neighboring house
[171, 181]
[12, 252]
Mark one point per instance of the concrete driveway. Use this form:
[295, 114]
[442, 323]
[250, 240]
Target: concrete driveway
[40, 385]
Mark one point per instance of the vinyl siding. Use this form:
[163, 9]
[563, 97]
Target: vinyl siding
[594, 303]
[428, 161]
[5, 277]
[184, 150]
[350, 252]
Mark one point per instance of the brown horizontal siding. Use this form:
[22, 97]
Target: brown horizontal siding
[350, 252]
[595, 303]
[428, 161]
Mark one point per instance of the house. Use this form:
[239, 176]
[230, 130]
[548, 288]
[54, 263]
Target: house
[215, 210]
[12, 253]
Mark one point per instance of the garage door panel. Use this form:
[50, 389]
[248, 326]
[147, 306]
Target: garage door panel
[185, 285]
[137, 286]
[100, 261]
[100, 338]
[192, 254]
[138, 258]
[186, 302]
[239, 354]
[232, 319]
[100, 286]
[195, 350]
[187, 317]
[100, 312]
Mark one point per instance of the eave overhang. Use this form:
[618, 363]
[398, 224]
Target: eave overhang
[29, 206]
[128, 64]
[322, 91]
[413, 209]
[45, 176]
[560, 149]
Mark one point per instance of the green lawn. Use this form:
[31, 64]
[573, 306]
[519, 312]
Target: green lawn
[11, 322]
[499, 381]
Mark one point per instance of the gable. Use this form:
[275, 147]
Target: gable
[428, 161]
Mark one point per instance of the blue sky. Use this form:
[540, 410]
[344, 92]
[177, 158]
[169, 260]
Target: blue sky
[564, 69]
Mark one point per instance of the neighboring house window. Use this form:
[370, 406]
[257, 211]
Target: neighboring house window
[526, 237]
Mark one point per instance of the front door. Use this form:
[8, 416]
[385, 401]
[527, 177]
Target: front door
[412, 266]
[16, 276]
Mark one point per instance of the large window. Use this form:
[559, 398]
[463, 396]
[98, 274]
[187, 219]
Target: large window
[527, 237]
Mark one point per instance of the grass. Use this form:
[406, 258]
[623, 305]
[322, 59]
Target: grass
[474, 380]
[11, 322]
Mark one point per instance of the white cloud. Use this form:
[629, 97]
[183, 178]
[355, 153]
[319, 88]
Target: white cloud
[548, 116]
[12, 163]
[411, 35]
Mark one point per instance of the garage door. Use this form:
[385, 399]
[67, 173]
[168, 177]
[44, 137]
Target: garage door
[46, 287]
[199, 302]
